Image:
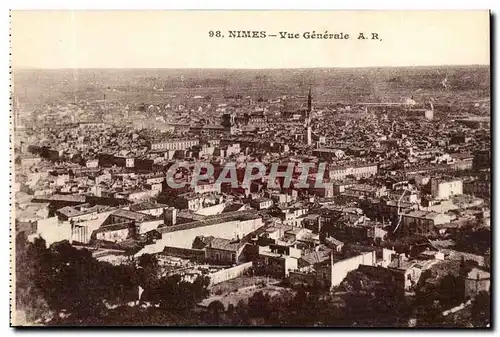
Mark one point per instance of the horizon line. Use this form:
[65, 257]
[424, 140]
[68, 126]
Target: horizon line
[234, 68]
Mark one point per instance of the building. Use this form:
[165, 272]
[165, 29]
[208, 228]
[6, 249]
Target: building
[444, 189]
[482, 160]
[421, 222]
[276, 261]
[355, 170]
[205, 187]
[308, 120]
[92, 163]
[475, 122]
[81, 212]
[334, 244]
[226, 225]
[116, 232]
[411, 270]
[366, 190]
[261, 203]
[174, 144]
[291, 216]
[224, 251]
[153, 209]
[52, 230]
[341, 268]
[195, 202]
[142, 223]
[327, 191]
[421, 113]
[477, 280]
[328, 154]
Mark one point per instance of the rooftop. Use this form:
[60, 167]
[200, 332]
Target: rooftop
[225, 244]
[122, 213]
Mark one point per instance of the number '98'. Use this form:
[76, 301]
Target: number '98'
[216, 33]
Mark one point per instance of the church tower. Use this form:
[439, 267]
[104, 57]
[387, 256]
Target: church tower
[308, 119]
[309, 103]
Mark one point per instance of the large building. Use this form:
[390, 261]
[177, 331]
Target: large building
[174, 144]
[355, 170]
[421, 222]
[444, 189]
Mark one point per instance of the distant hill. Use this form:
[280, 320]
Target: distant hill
[32, 86]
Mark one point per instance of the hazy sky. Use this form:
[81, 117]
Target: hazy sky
[175, 39]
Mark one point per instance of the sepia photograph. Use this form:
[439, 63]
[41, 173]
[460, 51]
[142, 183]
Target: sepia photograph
[250, 169]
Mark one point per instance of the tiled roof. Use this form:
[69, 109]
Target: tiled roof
[130, 215]
[322, 254]
[225, 244]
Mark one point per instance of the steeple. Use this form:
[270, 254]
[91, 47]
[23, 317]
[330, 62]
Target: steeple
[308, 119]
[309, 102]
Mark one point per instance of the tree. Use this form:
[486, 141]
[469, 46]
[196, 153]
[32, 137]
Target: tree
[430, 315]
[29, 296]
[148, 266]
[258, 305]
[451, 290]
[215, 310]
[481, 309]
[174, 294]
[241, 316]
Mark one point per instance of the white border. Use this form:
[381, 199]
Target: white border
[494, 5]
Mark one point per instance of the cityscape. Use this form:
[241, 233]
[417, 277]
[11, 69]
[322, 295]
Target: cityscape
[136, 201]
[256, 169]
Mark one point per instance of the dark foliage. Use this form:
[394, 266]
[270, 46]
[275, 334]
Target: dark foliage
[63, 279]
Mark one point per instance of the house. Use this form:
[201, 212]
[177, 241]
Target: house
[375, 278]
[334, 244]
[327, 191]
[224, 251]
[80, 212]
[52, 230]
[173, 144]
[292, 216]
[297, 234]
[422, 222]
[116, 232]
[92, 163]
[314, 269]
[340, 267]
[375, 232]
[323, 268]
[143, 223]
[312, 222]
[196, 202]
[261, 203]
[477, 280]
[328, 154]
[276, 261]
[357, 170]
[411, 270]
[444, 189]
[366, 190]
[153, 209]
[206, 187]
